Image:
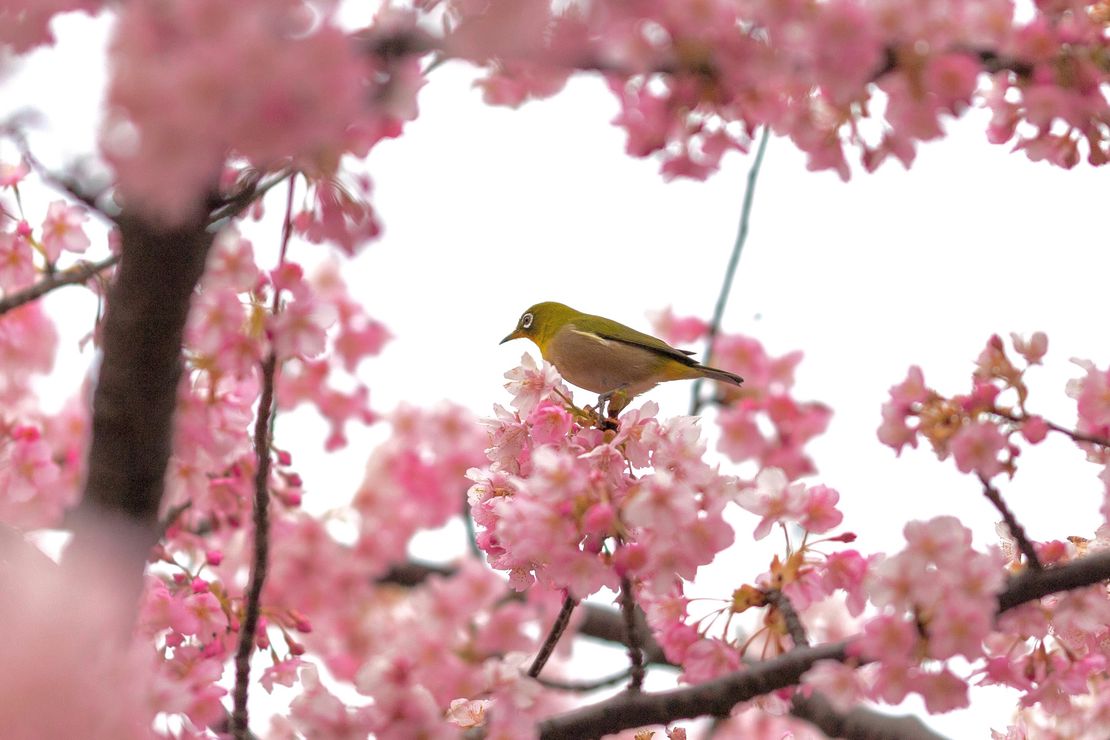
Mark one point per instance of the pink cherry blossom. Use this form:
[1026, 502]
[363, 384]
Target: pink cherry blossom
[976, 447]
[62, 230]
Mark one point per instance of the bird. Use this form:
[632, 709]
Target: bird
[606, 357]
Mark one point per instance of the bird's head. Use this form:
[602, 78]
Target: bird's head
[540, 322]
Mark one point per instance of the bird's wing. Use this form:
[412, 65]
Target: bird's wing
[639, 339]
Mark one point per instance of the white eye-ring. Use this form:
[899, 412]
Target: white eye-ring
[526, 321]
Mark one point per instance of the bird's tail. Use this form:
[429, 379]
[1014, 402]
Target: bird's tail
[722, 375]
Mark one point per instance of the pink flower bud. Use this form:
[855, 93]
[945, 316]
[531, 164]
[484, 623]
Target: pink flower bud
[1035, 429]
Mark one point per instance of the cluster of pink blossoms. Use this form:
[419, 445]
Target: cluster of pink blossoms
[41, 454]
[578, 508]
[1051, 650]
[936, 601]
[302, 93]
[981, 429]
[694, 80]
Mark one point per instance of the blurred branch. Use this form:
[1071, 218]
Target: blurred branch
[136, 390]
[76, 275]
[696, 401]
[171, 517]
[252, 189]
[859, 723]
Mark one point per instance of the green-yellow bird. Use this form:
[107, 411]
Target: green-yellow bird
[607, 357]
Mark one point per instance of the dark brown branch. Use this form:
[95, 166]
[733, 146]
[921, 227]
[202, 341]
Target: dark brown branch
[261, 558]
[632, 636]
[715, 698]
[79, 274]
[1030, 585]
[1016, 530]
[557, 630]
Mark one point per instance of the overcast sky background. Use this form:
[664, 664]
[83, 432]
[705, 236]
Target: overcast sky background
[487, 211]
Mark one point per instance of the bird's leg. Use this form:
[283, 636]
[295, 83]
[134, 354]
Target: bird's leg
[602, 401]
[609, 406]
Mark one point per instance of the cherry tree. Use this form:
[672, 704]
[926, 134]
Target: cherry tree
[193, 582]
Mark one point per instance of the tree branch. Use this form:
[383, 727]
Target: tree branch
[716, 697]
[261, 559]
[1030, 585]
[76, 275]
[136, 391]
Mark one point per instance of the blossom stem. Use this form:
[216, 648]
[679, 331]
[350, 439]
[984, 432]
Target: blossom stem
[1016, 530]
[553, 636]
[696, 401]
[1075, 436]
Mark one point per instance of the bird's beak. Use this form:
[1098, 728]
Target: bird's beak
[515, 335]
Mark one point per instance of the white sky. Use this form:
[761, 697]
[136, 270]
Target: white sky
[487, 211]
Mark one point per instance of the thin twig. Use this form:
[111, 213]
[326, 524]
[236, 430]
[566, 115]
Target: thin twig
[1075, 435]
[584, 687]
[242, 200]
[76, 275]
[632, 636]
[261, 557]
[553, 636]
[263, 434]
[171, 517]
[468, 523]
[1016, 530]
[696, 402]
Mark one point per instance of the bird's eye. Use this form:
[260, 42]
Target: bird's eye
[526, 321]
